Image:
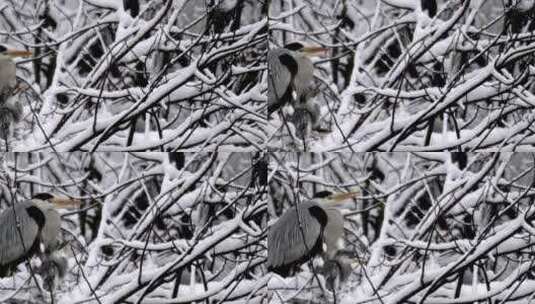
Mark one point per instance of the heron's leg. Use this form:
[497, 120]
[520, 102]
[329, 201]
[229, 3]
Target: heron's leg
[314, 111]
[61, 265]
[334, 295]
[48, 272]
[51, 291]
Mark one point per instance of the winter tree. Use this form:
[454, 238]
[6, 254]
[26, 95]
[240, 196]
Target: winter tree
[137, 75]
[153, 227]
[411, 75]
[427, 228]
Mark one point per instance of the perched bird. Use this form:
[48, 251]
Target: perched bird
[30, 228]
[291, 72]
[300, 233]
[10, 109]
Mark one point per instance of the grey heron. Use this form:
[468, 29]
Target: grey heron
[10, 109]
[300, 233]
[30, 228]
[291, 72]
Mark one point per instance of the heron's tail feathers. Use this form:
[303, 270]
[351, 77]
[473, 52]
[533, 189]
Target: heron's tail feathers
[276, 103]
[273, 107]
[3, 272]
[6, 270]
[284, 271]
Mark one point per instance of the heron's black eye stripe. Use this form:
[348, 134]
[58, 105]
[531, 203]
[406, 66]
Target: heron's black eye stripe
[322, 194]
[430, 6]
[2, 49]
[289, 62]
[43, 196]
[36, 214]
[132, 6]
[319, 214]
[295, 46]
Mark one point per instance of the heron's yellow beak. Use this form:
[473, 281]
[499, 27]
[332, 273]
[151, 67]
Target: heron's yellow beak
[314, 50]
[17, 53]
[339, 199]
[65, 202]
[344, 196]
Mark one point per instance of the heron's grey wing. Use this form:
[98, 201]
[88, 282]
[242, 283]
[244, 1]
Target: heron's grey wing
[279, 80]
[285, 237]
[11, 247]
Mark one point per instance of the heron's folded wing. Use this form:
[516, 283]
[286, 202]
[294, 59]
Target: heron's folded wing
[279, 81]
[11, 246]
[285, 239]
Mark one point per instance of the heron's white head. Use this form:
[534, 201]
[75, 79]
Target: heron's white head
[331, 199]
[307, 50]
[55, 201]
